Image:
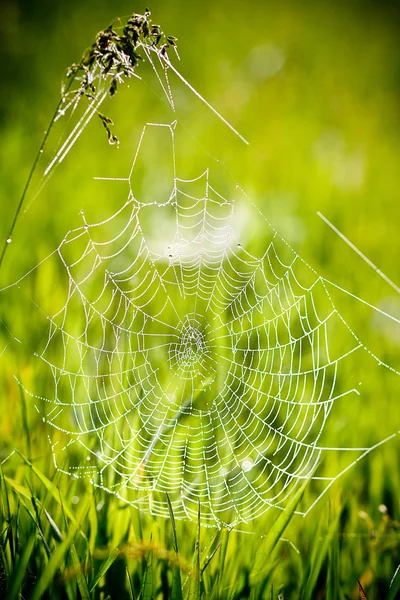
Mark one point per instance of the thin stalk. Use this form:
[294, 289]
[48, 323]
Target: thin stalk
[30, 176]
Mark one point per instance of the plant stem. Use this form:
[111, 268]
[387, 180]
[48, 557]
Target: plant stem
[29, 180]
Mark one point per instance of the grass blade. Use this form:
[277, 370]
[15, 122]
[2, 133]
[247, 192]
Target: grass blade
[57, 557]
[50, 487]
[80, 576]
[176, 589]
[221, 564]
[20, 569]
[3, 573]
[7, 515]
[209, 559]
[394, 590]
[54, 527]
[130, 589]
[25, 420]
[262, 559]
[361, 591]
[195, 582]
[104, 568]
[319, 552]
[20, 489]
[146, 590]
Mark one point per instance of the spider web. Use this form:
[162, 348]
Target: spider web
[183, 361]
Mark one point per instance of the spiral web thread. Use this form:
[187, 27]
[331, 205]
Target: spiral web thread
[195, 367]
[201, 370]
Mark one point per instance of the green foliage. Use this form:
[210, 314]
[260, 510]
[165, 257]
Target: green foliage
[262, 562]
[152, 571]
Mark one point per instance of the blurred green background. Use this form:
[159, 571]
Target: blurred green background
[314, 86]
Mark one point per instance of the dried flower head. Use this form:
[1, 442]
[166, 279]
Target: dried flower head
[111, 59]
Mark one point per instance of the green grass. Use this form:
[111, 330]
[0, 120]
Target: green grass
[324, 136]
[50, 548]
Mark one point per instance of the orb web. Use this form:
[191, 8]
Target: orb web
[196, 368]
[189, 361]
